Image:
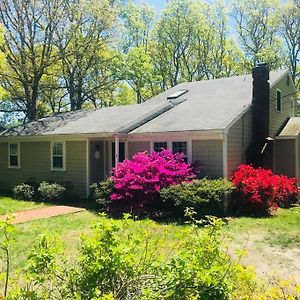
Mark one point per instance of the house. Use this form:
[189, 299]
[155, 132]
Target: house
[221, 122]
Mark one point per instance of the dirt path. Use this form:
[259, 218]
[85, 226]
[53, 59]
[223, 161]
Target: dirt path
[42, 213]
[268, 260]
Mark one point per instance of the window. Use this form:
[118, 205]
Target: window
[278, 100]
[288, 80]
[14, 155]
[58, 162]
[180, 147]
[159, 146]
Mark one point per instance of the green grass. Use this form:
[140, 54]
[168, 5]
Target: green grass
[281, 229]
[70, 228]
[9, 205]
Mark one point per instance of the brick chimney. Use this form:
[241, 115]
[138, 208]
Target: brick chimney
[260, 115]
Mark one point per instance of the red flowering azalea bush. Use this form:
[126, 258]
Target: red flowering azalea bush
[259, 191]
[137, 182]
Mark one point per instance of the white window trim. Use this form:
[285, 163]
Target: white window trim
[170, 146]
[110, 160]
[63, 169]
[18, 154]
[278, 90]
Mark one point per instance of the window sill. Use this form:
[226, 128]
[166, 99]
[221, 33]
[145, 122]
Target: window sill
[14, 167]
[57, 170]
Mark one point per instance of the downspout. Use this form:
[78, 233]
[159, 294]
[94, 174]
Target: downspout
[87, 149]
[225, 153]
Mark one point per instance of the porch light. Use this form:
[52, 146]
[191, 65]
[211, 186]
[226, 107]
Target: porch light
[97, 152]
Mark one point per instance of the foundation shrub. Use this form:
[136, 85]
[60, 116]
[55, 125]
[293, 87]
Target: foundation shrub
[137, 182]
[206, 197]
[101, 192]
[24, 191]
[259, 191]
[51, 192]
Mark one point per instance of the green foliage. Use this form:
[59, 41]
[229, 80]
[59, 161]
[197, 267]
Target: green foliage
[7, 233]
[126, 259]
[207, 197]
[51, 192]
[111, 264]
[24, 191]
[100, 193]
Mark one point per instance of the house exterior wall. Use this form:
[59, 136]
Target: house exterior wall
[238, 140]
[284, 157]
[36, 162]
[279, 118]
[210, 154]
[138, 146]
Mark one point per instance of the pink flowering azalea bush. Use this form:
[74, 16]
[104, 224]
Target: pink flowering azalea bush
[259, 191]
[137, 182]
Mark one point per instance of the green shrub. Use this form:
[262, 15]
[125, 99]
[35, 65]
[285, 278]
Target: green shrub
[117, 263]
[24, 191]
[100, 193]
[51, 192]
[207, 197]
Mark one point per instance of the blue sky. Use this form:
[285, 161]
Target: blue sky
[159, 4]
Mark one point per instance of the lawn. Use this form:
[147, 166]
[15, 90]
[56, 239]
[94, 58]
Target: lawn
[9, 205]
[282, 229]
[260, 236]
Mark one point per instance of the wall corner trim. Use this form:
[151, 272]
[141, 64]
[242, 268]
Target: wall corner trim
[225, 154]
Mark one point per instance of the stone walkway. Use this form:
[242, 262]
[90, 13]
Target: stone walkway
[42, 213]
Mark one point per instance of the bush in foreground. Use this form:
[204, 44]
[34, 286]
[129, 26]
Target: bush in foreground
[24, 191]
[259, 191]
[126, 259]
[206, 197]
[137, 182]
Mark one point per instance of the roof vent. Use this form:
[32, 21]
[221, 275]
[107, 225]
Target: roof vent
[177, 94]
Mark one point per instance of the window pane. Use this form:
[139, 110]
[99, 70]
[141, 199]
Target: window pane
[13, 160]
[13, 149]
[57, 162]
[158, 146]
[180, 147]
[278, 101]
[58, 149]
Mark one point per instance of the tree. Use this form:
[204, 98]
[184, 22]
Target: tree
[29, 28]
[257, 23]
[137, 22]
[137, 70]
[83, 48]
[291, 34]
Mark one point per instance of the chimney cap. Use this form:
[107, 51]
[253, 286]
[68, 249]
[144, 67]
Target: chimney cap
[261, 71]
[261, 64]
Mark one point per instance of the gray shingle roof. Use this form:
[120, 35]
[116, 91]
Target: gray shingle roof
[292, 128]
[209, 105]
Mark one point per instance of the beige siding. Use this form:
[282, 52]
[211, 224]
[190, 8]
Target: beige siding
[238, 140]
[209, 153]
[284, 159]
[278, 119]
[36, 162]
[135, 147]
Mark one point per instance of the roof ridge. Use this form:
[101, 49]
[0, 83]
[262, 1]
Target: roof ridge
[127, 128]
